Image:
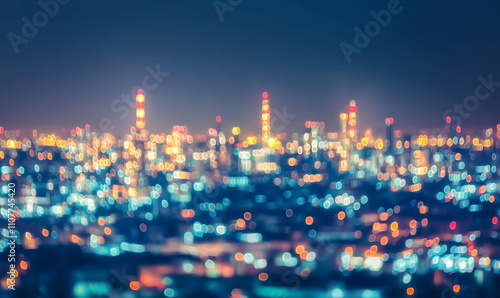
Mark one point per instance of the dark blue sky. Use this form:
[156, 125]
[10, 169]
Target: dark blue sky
[91, 52]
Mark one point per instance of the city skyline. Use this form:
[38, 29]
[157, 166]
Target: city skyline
[249, 149]
[242, 56]
[284, 119]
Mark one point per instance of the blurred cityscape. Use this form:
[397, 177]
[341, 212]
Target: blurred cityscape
[311, 214]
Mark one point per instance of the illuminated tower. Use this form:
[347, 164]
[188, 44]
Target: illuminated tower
[218, 119]
[344, 141]
[449, 131]
[343, 125]
[140, 176]
[140, 121]
[220, 134]
[407, 149]
[389, 135]
[352, 133]
[266, 119]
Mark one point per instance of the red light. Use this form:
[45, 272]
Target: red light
[448, 119]
[139, 91]
[352, 109]
[218, 119]
[459, 129]
[264, 95]
[494, 220]
[453, 225]
[391, 121]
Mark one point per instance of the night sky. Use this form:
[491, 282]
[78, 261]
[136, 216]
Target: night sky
[91, 52]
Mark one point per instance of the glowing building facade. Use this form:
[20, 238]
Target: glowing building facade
[140, 121]
[266, 119]
[343, 125]
[389, 135]
[352, 133]
[344, 142]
